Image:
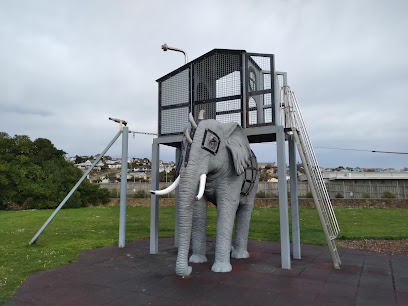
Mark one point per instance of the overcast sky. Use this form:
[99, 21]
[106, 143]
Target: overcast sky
[66, 66]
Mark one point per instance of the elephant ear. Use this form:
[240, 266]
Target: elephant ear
[238, 145]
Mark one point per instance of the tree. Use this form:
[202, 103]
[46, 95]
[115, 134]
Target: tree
[34, 174]
[78, 159]
[169, 175]
[264, 175]
[44, 150]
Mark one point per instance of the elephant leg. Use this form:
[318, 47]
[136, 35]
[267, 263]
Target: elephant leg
[225, 224]
[243, 219]
[199, 231]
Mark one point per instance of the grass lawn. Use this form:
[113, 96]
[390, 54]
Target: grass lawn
[74, 230]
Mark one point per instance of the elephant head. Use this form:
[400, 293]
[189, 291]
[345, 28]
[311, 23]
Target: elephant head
[214, 157]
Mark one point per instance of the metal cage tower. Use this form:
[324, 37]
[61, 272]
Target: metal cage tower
[242, 87]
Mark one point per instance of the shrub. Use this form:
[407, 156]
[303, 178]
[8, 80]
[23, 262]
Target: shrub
[141, 194]
[339, 195]
[114, 193]
[309, 195]
[260, 195]
[365, 195]
[388, 195]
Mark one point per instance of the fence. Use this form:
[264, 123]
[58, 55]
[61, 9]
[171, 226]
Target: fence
[381, 189]
[346, 190]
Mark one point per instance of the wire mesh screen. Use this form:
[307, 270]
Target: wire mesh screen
[260, 83]
[230, 85]
[217, 87]
[175, 90]
[174, 120]
[280, 88]
[174, 101]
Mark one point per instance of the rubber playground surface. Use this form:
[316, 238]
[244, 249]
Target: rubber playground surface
[131, 276]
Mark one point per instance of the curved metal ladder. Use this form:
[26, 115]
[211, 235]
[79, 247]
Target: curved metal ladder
[294, 121]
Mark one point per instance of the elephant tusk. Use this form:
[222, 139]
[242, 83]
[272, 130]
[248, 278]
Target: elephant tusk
[168, 189]
[203, 179]
[192, 121]
[201, 115]
[188, 137]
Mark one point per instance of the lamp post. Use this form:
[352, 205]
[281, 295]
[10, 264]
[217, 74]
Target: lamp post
[165, 47]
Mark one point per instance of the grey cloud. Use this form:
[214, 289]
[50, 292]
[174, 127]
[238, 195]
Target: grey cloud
[24, 111]
[70, 65]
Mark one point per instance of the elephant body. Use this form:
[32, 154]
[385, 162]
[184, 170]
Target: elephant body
[220, 151]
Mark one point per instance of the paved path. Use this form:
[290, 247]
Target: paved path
[131, 276]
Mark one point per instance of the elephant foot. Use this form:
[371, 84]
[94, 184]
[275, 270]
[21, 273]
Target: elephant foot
[239, 254]
[195, 258]
[186, 271]
[221, 267]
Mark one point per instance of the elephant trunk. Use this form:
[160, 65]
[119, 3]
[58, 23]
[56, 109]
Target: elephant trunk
[189, 181]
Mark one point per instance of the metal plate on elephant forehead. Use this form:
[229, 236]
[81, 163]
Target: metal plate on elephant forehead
[211, 141]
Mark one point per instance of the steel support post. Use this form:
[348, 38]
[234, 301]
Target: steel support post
[154, 200]
[176, 204]
[123, 187]
[294, 200]
[283, 199]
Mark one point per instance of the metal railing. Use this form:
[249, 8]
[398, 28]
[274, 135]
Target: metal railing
[294, 121]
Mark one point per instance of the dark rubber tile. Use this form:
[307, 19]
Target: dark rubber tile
[132, 276]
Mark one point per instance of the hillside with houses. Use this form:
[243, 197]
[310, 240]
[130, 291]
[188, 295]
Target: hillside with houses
[343, 182]
[108, 169]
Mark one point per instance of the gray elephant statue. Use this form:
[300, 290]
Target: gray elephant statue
[216, 165]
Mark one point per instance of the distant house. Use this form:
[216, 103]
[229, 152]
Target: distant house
[140, 169]
[115, 166]
[141, 161]
[265, 165]
[166, 166]
[84, 166]
[138, 176]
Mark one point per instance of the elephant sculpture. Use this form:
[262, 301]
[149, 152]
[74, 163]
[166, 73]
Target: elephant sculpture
[216, 165]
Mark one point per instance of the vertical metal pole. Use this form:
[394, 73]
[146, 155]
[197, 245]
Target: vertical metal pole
[244, 91]
[123, 188]
[277, 101]
[74, 188]
[344, 191]
[154, 200]
[177, 198]
[398, 191]
[294, 203]
[283, 199]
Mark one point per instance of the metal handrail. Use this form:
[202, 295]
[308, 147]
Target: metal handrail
[294, 121]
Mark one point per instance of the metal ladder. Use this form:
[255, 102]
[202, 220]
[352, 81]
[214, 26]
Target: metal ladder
[294, 121]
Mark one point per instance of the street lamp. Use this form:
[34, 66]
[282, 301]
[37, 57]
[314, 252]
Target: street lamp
[165, 47]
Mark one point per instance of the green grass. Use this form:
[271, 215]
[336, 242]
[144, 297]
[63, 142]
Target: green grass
[74, 230]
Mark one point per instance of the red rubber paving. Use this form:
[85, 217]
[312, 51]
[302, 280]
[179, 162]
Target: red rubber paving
[131, 276]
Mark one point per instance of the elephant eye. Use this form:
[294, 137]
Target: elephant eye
[211, 142]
